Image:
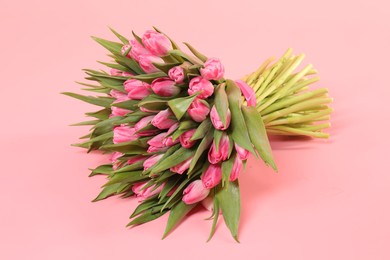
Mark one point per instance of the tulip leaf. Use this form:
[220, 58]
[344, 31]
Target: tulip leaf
[131, 167]
[101, 114]
[258, 135]
[217, 139]
[109, 191]
[91, 122]
[154, 102]
[203, 146]
[113, 47]
[129, 63]
[137, 38]
[202, 130]
[128, 104]
[215, 220]
[238, 127]
[177, 157]
[227, 167]
[103, 102]
[126, 177]
[229, 200]
[114, 66]
[195, 52]
[179, 106]
[148, 216]
[127, 147]
[222, 103]
[104, 169]
[178, 212]
[165, 67]
[148, 78]
[145, 205]
[123, 39]
[180, 54]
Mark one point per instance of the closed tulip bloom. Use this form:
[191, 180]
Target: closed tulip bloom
[114, 159]
[157, 43]
[118, 94]
[182, 167]
[216, 120]
[164, 119]
[117, 111]
[143, 123]
[115, 72]
[168, 141]
[215, 156]
[137, 50]
[198, 110]
[195, 192]
[144, 109]
[126, 74]
[248, 92]
[152, 160]
[165, 87]
[242, 153]
[124, 134]
[213, 69]
[144, 193]
[155, 149]
[212, 176]
[185, 138]
[157, 140]
[237, 166]
[137, 158]
[177, 74]
[199, 84]
[146, 63]
[137, 89]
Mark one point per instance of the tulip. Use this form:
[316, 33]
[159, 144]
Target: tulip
[237, 166]
[248, 93]
[137, 50]
[164, 119]
[198, 110]
[242, 153]
[144, 109]
[144, 193]
[176, 74]
[213, 69]
[216, 120]
[145, 121]
[117, 111]
[136, 159]
[199, 84]
[125, 50]
[114, 159]
[215, 156]
[118, 94]
[115, 72]
[212, 176]
[195, 192]
[123, 134]
[152, 160]
[157, 43]
[157, 141]
[155, 149]
[185, 139]
[168, 141]
[146, 63]
[165, 87]
[137, 89]
[182, 167]
[126, 74]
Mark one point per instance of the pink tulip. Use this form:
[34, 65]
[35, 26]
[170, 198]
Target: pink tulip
[137, 89]
[114, 159]
[157, 43]
[168, 141]
[146, 63]
[216, 120]
[198, 110]
[215, 156]
[212, 176]
[185, 139]
[117, 94]
[154, 149]
[144, 193]
[123, 134]
[125, 50]
[143, 123]
[195, 192]
[152, 160]
[157, 141]
[248, 93]
[199, 84]
[164, 119]
[144, 109]
[237, 166]
[136, 159]
[177, 74]
[182, 167]
[126, 74]
[117, 111]
[115, 72]
[213, 69]
[165, 87]
[242, 153]
[137, 50]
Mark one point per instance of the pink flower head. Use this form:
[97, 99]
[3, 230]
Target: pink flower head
[164, 119]
[177, 74]
[154, 149]
[213, 69]
[215, 156]
[115, 72]
[165, 87]
[157, 43]
[117, 111]
[136, 159]
[212, 176]
[195, 192]
[118, 94]
[123, 134]
[157, 141]
[152, 160]
[248, 93]
[144, 193]
[143, 123]
[146, 63]
[199, 84]
[168, 141]
[198, 110]
[237, 166]
[185, 139]
[216, 120]
[137, 50]
[125, 50]
[182, 167]
[137, 89]
[242, 153]
[114, 159]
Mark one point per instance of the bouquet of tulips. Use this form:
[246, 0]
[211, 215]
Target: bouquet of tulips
[179, 133]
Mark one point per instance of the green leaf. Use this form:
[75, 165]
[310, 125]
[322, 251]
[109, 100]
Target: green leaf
[126, 177]
[221, 102]
[165, 67]
[149, 78]
[128, 104]
[229, 200]
[114, 66]
[137, 38]
[105, 169]
[101, 114]
[177, 157]
[128, 147]
[227, 167]
[145, 205]
[91, 122]
[113, 47]
[102, 137]
[129, 63]
[131, 167]
[202, 130]
[89, 99]
[258, 135]
[147, 216]
[179, 106]
[120, 37]
[108, 191]
[216, 216]
[217, 138]
[154, 102]
[196, 53]
[203, 146]
[178, 212]
[180, 54]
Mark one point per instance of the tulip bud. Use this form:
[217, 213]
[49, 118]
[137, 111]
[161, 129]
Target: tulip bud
[136, 159]
[143, 123]
[182, 167]
[137, 50]
[144, 193]
[215, 156]
[242, 153]
[216, 120]
[248, 93]
[154, 149]
[146, 63]
[137, 89]
[124, 134]
[117, 111]
[164, 119]
[157, 140]
[157, 43]
[185, 138]
[213, 69]
[237, 166]
[115, 72]
[152, 160]
[195, 192]
[212, 176]
[168, 141]
[117, 94]
[114, 159]
[165, 87]
[176, 74]
[198, 110]
[199, 84]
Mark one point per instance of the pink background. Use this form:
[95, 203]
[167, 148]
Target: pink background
[331, 198]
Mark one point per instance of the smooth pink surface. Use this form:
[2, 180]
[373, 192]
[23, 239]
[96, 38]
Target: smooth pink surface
[331, 198]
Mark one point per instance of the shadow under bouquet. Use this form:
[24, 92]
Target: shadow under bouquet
[179, 133]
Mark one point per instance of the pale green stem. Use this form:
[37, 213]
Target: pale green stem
[300, 119]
